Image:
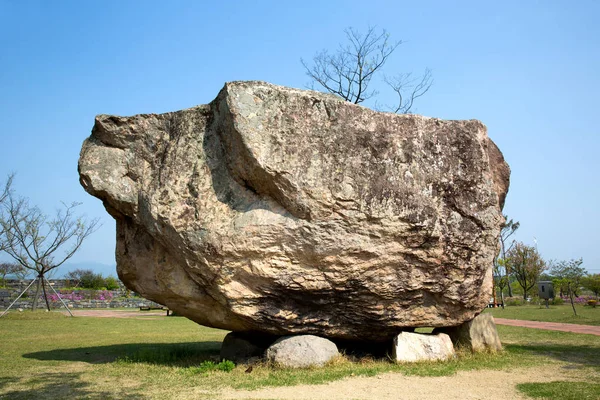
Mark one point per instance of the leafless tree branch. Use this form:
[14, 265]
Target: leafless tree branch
[33, 240]
[408, 89]
[11, 269]
[3, 199]
[348, 72]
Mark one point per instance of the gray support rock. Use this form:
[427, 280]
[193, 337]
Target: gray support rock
[479, 334]
[302, 351]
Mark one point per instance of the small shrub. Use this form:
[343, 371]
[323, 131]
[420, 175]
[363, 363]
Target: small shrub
[73, 296]
[103, 295]
[557, 301]
[514, 301]
[208, 366]
[91, 280]
[592, 303]
[111, 283]
[225, 366]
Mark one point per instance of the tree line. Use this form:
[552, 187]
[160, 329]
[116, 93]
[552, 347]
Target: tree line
[88, 279]
[523, 264]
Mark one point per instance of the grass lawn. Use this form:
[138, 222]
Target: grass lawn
[562, 390]
[586, 315]
[50, 356]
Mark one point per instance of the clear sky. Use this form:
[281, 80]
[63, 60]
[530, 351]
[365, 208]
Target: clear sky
[528, 69]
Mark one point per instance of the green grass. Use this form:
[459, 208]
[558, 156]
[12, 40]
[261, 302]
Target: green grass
[586, 315]
[47, 356]
[552, 346]
[562, 390]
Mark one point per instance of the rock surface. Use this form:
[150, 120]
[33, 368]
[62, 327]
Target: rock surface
[301, 351]
[479, 334]
[285, 211]
[413, 347]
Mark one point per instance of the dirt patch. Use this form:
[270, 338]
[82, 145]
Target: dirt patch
[464, 385]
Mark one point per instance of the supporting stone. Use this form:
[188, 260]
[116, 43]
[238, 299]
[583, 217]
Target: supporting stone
[479, 334]
[413, 347]
[245, 347]
[302, 351]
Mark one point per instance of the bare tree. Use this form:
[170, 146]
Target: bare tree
[22, 273]
[74, 277]
[408, 89]
[10, 269]
[3, 199]
[526, 265]
[349, 71]
[39, 243]
[508, 229]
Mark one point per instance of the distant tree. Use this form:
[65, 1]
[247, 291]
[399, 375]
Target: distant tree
[545, 276]
[592, 283]
[568, 276]
[3, 200]
[92, 280]
[567, 273]
[88, 279]
[77, 275]
[526, 265]
[9, 269]
[111, 283]
[500, 279]
[39, 243]
[508, 229]
[349, 71]
[22, 273]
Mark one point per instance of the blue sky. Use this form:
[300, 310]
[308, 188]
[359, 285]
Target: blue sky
[527, 69]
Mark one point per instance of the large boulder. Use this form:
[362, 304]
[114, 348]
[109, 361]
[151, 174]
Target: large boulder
[284, 211]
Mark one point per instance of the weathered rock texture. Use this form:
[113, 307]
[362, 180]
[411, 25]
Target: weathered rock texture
[286, 211]
[479, 334]
[301, 351]
[414, 347]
